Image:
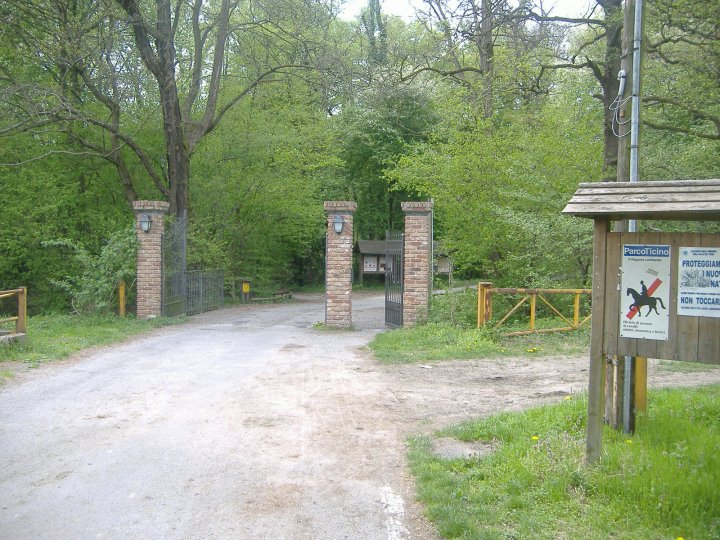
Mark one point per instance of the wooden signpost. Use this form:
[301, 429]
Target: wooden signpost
[655, 294]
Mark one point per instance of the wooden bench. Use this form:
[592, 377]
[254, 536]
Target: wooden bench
[277, 296]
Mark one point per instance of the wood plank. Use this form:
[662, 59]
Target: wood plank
[648, 347]
[615, 206]
[645, 197]
[709, 327]
[686, 348]
[602, 192]
[652, 183]
[632, 212]
[511, 290]
[612, 329]
[667, 350]
[597, 355]
[626, 346]
[612, 298]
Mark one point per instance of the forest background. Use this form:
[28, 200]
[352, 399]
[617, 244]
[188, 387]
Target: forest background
[248, 114]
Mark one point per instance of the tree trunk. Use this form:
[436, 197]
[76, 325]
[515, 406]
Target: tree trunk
[178, 159]
[610, 83]
[161, 62]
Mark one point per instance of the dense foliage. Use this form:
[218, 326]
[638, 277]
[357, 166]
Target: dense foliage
[249, 115]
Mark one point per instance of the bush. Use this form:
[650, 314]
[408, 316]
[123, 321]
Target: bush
[94, 289]
[455, 308]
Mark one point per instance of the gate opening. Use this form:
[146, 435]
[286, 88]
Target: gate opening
[394, 247]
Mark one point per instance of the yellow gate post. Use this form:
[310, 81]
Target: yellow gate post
[576, 311]
[21, 324]
[121, 298]
[533, 301]
[484, 304]
[640, 384]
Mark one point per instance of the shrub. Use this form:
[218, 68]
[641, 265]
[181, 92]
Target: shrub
[94, 289]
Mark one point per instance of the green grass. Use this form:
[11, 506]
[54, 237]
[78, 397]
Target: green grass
[660, 483]
[685, 367]
[439, 341]
[52, 337]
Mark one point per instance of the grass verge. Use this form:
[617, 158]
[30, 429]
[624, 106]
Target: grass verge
[52, 337]
[441, 341]
[659, 483]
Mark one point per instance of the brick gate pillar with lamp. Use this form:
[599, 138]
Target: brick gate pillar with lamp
[149, 225]
[417, 272]
[338, 263]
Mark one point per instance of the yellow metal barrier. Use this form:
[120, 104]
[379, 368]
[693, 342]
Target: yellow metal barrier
[530, 296]
[21, 319]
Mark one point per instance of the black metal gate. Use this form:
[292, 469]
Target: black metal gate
[394, 243]
[204, 291]
[174, 267]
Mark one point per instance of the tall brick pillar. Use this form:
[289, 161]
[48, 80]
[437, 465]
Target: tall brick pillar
[338, 264]
[149, 257]
[417, 274]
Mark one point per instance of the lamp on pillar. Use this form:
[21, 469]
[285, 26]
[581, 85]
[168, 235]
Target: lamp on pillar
[145, 222]
[338, 223]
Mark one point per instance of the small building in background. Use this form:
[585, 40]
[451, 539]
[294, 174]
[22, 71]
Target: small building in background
[371, 258]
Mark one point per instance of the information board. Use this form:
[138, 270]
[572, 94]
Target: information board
[699, 283]
[370, 263]
[645, 291]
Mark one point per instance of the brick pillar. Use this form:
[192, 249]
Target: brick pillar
[417, 274]
[338, 264]
[149, 258]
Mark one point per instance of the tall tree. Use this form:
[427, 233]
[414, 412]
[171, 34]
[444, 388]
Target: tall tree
[683, 61]
[469, 31]
[597, 49]
[104, 61]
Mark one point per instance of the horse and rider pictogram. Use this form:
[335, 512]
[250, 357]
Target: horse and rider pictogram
[646, 278]
[644, 298]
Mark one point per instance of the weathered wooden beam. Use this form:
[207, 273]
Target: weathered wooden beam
[597, 353]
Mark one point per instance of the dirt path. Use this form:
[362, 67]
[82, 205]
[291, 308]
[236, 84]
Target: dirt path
[246, 423]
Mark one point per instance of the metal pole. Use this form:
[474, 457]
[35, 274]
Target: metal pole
[629, 383]
[635, 129]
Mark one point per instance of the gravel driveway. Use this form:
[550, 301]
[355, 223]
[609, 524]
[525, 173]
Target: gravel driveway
[245, 423]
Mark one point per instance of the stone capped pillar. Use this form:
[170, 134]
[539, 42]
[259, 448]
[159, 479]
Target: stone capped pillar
[417, 274]
[338, 264]
[149, 257]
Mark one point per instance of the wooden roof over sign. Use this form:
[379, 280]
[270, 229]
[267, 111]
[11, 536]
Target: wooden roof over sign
[693, 200]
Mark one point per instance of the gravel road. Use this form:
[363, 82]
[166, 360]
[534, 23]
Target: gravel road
[246, 423]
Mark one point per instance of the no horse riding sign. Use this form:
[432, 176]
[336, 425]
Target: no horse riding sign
[645, 283]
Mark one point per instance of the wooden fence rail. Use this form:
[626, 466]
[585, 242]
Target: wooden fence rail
[20, 319]
[531, 297]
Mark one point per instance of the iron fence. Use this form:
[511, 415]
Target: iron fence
[394, 246]
[205, 290]
[174, 264]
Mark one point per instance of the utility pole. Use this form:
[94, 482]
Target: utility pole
[626, 377]
[615, 367]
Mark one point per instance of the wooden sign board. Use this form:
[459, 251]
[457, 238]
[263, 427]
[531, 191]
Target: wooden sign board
[647, 260]
[679, 314]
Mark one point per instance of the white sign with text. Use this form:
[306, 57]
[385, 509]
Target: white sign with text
[645, 291]
[699, 282]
